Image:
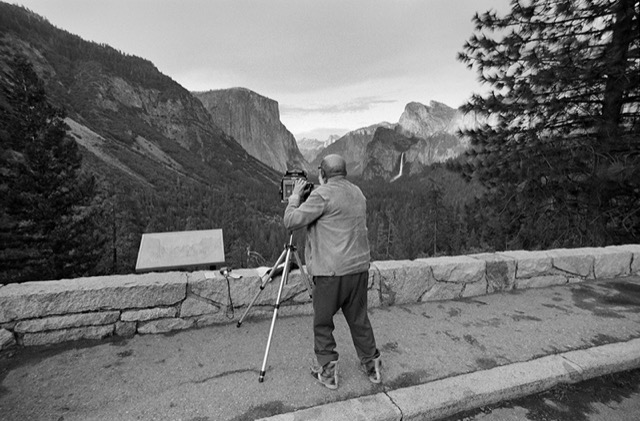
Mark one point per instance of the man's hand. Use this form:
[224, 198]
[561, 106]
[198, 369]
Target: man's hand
[298, 187]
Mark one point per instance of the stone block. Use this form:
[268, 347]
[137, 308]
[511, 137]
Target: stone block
[8, 325]
[443, 291]
[474, 289]
[610, 262]
[402, 281]
[381, 273]
[66, 322]
[164, 325]
[49, 298]
[65, 335]
[196, 306]
[634, 249]
[456, 269]
[295, 310]
[243, 290]
[301, 298]
[577, 262]
[540, 281]
[148, 314]
[7, 340]
[210, 319]
[125, 329]
[374, 298]
[530, 263]
[257, 312]
[500, 271]
[374, 281]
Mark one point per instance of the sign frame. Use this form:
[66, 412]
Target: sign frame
[180, 249]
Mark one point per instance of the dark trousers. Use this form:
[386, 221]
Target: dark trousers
[349, 293]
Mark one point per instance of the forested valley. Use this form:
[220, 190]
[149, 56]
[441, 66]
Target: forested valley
[410, 218]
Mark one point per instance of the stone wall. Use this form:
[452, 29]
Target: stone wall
[42, 313]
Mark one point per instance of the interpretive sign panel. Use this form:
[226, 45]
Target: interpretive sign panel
[180, 249]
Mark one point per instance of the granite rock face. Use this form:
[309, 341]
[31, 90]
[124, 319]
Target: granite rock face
[66, 335]
[385, 155]
[7, 340]
[419, 120]
[352, 147]
[131, 120]
[67, 321]
[254, 121]
[425, 134]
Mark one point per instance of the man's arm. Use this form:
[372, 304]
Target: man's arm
[298, 216]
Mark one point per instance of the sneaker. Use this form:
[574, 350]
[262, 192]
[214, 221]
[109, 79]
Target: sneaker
[373, 370]
[327, 375]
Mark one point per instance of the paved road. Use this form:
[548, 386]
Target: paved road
[611, 397]
[212, 373]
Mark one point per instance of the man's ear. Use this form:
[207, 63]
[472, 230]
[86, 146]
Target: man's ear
[322, 178]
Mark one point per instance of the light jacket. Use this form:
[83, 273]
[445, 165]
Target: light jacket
[335, 215]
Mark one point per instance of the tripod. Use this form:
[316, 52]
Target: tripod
[289, 250]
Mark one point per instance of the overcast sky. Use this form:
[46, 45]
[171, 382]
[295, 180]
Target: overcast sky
[330, 64]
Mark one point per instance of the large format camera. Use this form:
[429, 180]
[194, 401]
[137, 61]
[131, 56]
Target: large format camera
[288, 181]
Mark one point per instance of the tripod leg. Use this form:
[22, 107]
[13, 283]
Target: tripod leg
[283, 280]
[266, 278]
[305, 277]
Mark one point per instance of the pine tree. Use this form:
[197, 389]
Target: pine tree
[560, 152]
[48, 229]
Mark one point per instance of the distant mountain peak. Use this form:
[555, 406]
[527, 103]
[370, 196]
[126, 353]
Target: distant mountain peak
[425, 134]
[352, 147]
[425, 120]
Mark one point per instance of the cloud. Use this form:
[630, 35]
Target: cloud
[352, 106]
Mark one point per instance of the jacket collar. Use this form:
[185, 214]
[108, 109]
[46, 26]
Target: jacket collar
[335, 178]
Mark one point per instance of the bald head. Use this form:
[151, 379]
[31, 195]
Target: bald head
[333, 165]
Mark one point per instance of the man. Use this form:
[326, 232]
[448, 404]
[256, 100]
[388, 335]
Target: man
[337, 257]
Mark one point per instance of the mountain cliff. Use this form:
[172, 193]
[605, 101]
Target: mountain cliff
[385, 154]
[131, 120]
[424, 120]
[352, 146]
[425, 134]
[254, 121]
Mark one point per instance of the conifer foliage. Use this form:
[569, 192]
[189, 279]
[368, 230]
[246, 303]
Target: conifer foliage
[560, 152]
[46, 228]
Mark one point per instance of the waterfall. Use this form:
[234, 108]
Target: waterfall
[401, 167]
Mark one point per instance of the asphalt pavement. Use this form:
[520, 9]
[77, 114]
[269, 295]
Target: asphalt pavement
[614, 396]
[439, 358]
